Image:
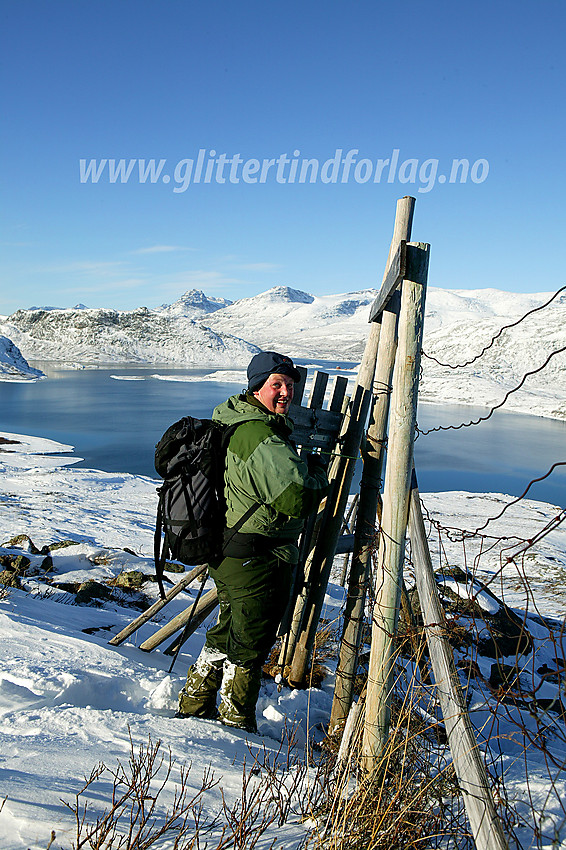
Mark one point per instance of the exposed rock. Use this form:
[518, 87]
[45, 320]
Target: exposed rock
[10, 578]
[60, 544]
[130, 579]
[47, 564]
[503, 633]
[15, 563]
[91, 592]
[22, 541]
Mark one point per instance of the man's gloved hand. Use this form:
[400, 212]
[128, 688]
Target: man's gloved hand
[315, 461]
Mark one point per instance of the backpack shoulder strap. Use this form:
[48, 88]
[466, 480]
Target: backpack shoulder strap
[159, 552]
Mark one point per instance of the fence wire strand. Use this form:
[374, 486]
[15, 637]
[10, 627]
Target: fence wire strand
[496, 337]
[496, 406]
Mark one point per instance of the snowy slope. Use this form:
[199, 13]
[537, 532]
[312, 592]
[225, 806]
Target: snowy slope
[519, 350]
[328, 326]
[458, 324]
[336, 326]
[142, 335]
[13, 365]
[69, 701]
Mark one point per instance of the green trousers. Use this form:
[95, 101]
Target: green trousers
[253, 594]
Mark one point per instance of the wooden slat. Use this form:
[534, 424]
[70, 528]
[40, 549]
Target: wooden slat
[157, 606]
[393, 277]
[314, 427]
[338, 393]
[318, 389]
[206, 603]
[300, 386]
[204, 609]
[417, 262]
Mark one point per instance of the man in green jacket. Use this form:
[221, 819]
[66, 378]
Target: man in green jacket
[274, 490]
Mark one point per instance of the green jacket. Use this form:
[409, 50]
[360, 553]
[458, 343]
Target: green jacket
[263, 466]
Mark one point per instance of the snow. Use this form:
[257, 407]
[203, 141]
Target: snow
[69, 700]
[13, 365]
[228, 376]
[95, 336]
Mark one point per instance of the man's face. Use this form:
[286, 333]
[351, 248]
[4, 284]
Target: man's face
[277, 393]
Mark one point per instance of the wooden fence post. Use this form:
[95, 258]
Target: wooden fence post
[395, 504]
[369, 499]
[468, 763]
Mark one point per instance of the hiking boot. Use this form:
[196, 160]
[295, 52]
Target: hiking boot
[239, 693]
[198, 696]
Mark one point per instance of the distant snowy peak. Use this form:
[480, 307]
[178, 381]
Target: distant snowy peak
[285, 293]
[278, 297]
[13, 365]
[194, 304]
[300, 324]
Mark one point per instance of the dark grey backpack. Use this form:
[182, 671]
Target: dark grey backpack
[191, 512]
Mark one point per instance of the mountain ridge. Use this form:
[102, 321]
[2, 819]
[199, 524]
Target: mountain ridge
[197, 330]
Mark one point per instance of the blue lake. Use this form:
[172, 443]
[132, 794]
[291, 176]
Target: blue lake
[114, 425]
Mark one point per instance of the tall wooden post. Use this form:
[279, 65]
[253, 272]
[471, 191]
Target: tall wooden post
[468, 764]
[370, 485]
[397, 489]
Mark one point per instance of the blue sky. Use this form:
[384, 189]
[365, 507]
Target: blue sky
[139, 80]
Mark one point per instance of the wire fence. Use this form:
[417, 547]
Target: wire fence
[497, 336]
[510, 653]
[499, 572]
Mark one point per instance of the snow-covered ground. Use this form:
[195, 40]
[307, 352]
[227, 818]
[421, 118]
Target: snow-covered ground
[68, 700]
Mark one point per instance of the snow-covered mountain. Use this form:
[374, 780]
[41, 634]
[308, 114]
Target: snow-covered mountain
[328, 326]
[199, 330]
[169, 335]
[517, 351]
[458, 324]
[13, 365]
